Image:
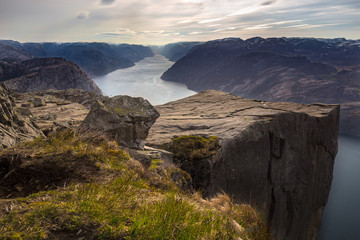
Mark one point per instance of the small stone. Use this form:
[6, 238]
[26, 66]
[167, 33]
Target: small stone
[25, 111]
[39, 102]
[49, 117]
[26, 105]
[64, 102]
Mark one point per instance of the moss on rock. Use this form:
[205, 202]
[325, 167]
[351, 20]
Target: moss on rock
[194, 147]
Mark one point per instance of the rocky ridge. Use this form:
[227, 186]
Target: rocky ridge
[11, 53]
[45, 73]
[278, 156]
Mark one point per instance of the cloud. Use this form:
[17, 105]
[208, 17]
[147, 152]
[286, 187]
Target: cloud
[107, 2]
[121, 32]
[82, 15]
[185, 21]
[164, 21]
[211, 20]
[267, 3]
[244, 11]
[263, 26]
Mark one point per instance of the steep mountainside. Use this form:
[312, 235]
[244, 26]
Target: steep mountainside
[175, 51]
[45, 73]
[11, 53]
[275, 69]
[278, 156]
[94, 58]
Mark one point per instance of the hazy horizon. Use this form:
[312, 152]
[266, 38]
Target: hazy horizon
[160, 22]
[161, 45]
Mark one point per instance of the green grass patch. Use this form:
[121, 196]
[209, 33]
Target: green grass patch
[120, 202]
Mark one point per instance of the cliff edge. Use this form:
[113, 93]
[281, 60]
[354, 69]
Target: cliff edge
[277, 156]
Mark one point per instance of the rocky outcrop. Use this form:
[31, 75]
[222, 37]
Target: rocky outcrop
[277, 156]
[45, 73]
[14, 127]
[122, 118]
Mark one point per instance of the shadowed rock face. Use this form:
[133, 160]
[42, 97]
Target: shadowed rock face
[45, 73]
[14, 127]
[278, 156]
[12, 53]
[122, 118]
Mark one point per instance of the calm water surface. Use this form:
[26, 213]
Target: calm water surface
[143, 80]
[341, 218]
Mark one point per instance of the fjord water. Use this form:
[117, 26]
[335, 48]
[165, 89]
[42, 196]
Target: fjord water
[143, 80]
[341, 218]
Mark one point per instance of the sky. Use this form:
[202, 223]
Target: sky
[157, 22]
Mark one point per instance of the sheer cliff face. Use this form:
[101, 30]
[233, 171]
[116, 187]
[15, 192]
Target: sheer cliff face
[278, 156]
[45, 73]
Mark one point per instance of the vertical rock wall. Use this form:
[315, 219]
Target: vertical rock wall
[284, 167]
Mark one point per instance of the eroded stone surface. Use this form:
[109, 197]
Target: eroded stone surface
[278, 156]
[122, 118]
[14, 127]
[58, 112]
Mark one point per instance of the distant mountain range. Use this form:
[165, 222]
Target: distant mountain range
[303, 70]
[175, 51]
[95, 59]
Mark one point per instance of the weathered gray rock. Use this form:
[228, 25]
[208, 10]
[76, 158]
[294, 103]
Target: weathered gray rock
[25, 111]
[26, 105]
[45, 73]
[14, 127]
[39, 102]
[277, 156]
[123, 118]
[54, 116]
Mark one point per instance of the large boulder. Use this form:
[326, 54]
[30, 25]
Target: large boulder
[14, 127]
[122, 118]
